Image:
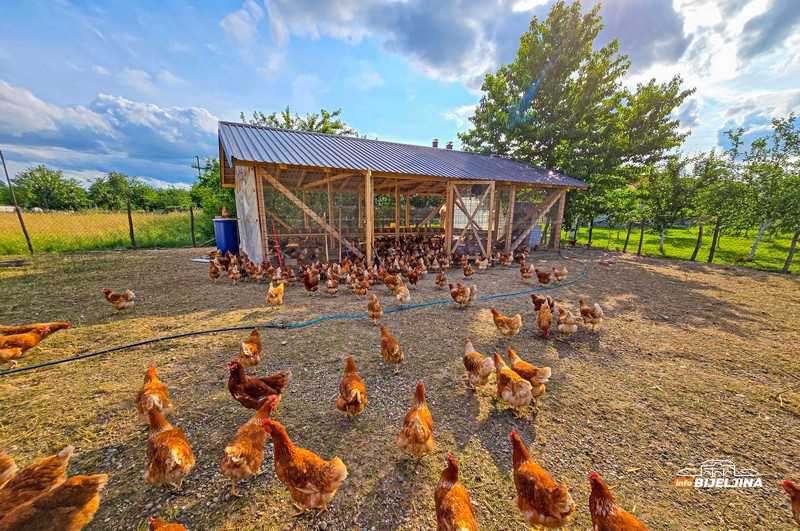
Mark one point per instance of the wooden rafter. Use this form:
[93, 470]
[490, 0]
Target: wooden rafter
[327, 179]
[302, 178]
[539, 212]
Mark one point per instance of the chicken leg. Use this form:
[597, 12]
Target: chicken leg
[233, 489]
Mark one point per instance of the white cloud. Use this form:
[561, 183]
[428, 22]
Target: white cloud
[100, 70]
[365, 77]
[526, 5]
[167, 77]
[139, 80]
[242, 25]
[460, 115]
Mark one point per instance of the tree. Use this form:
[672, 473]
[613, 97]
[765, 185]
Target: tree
[321, 122]
[210, 196]
[111, 192]
[172, 199]
[5, 194]
[561, 104]
[667, 196]
[48, 189]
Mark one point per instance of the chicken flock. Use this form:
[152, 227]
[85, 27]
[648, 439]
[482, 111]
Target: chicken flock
[41, 496]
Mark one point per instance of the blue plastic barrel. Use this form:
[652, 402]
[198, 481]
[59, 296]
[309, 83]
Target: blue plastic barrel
[226, 232]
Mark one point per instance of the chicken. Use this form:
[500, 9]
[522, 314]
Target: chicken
[526, 272]
[15, 345]
[374, 310]
[213, 272]
[479, 367]
[567, 323]
[310, 281]
[331, 286]
[453, 507]
[157, 524]
[559, 274]
[482, 263]
[545, 319]
[417, 433]
[54, 327]
[535, 375]
[538, 301]
[244, 453]
[403, 295]
[67, 507]
[541, 501]
[507, 326]
[234, 273]
[8, 469]
[153, 395]
[352, 391]
[414, 276]
[591, 315]
[544, 277]
[391, 281]
[250, 352]
[468, 271]
[169, 456]
[505, 259]
[607, 515]
[120, 301]
[793, 491]
[35, 479]
[390, 350]
[511, 387]
[441, 280]
[361, 288]
[311, 480]
[275, 294]
[253, 392]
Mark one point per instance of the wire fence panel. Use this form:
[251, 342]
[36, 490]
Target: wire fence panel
[90, 230]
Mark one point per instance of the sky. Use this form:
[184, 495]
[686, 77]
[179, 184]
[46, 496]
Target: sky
[138, 87]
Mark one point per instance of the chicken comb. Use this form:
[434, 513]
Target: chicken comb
[594, 475]
[513, 433]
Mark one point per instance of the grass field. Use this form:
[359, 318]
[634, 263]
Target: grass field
[679, 243]
[92, 230]
[692, 363]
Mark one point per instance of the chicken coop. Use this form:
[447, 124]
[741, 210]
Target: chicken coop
[341, 193]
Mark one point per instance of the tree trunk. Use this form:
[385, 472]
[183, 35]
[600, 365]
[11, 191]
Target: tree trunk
[591, 228]
[699, 242]
[641, 240]
[661, 240]
[715, 239]
[791, 253]
[577, 229]
[761, 228]
[627, 237]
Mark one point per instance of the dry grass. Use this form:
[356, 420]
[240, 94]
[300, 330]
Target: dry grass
[689, 366]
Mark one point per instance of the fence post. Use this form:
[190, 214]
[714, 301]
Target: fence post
[191, 225]
[130, 225]
[16, 206]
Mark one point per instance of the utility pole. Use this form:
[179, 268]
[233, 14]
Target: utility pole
[16, 206]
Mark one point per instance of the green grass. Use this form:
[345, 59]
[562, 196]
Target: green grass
[92, 230]
[679, 243]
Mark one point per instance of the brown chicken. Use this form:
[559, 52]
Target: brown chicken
[311, 480]
[453, 507]
[541, 501]
[607, 515]
[391, 281]
[526, 272]
[67, 507]
[120, 301]
[567, 323]
[468, 271]
[253, 392]
[157, 524]
[352, 391]
[275, 294]
[535, 375]
[54, 327]
[507, 326]
[213, 272]
[417, 434]
[506, 259]
[538, 301]
[361, 288]
[482, 263]
[441, 280]
[235, 274]
[544, 320]
[14, 346]
[35, 479]
[403, 295]
[244, 453]
[250, 352]
[794, 494]
[153, 395]
[374, 309]
[559, 274]
[8, 469]
[511, 387]
[310, 281]
[331, 286]
[479, 367]
[592, 315]
[390, 350]
[544, 277]
[169, 456]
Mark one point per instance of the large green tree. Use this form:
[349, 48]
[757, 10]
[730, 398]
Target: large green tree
[561, 103]
[48, 189]
[112, 191]
[210, 196]
[666, 193]
[321, 122]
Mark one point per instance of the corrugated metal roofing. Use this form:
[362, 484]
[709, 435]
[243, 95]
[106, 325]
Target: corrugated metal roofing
[284, 146]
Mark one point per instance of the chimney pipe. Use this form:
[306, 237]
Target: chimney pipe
[450, 145]
[436, 142]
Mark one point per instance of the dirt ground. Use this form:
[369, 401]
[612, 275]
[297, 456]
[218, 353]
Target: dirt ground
[694, 362]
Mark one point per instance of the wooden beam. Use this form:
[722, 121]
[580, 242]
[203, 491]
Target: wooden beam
[498, 206]
[489, 223]
[463, 207]
[261, 208]
[532, 213]
[327, 180]
[360, 201]
[393, 183]
[343, 186]
[305, 214]
[330, 203]
[512, 199]
[408, 219]
[369, 208]
[540, 210]
[313, 215]
[471, 223]
[433, 214]
[555, 242]
[449, 211]
[271, 214]
[396, 211]
[301, 179]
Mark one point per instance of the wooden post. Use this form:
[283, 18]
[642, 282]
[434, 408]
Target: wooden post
[498, 206]
[538, 213]
[396, 210]
[330, 202]
[555, 244]
[408, 218]
[340, 232]
[512, 198]
[369, 211]
[305, 215]
[130, 224]
[327, 258]
[449, 210]
[489, 223]
[16, 206]
[261, 208]
[191, 225]
[360, 214]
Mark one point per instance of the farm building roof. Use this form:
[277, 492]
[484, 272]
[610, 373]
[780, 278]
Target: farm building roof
[243, 142]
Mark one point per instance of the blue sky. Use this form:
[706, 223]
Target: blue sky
[138, 87]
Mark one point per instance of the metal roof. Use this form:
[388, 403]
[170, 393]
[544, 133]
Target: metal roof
[285, 146]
